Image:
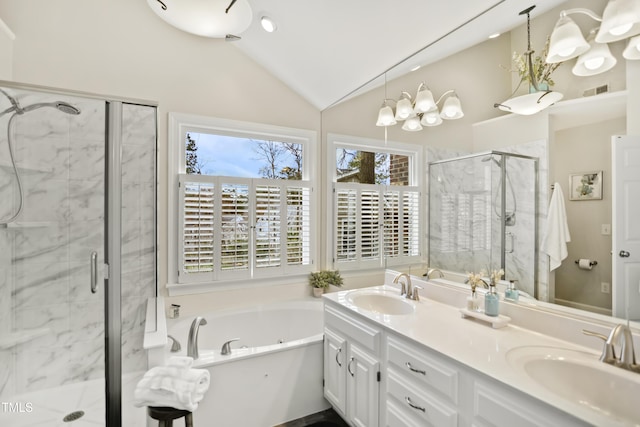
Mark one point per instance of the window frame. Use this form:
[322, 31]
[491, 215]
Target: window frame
[179, 125]
[416, 178]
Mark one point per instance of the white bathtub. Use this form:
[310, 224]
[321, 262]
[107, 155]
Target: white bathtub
[274, 372]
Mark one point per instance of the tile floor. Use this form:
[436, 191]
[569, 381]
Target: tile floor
[328, 418]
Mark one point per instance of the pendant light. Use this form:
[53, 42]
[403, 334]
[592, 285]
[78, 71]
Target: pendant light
[539, 99]
[208, 18]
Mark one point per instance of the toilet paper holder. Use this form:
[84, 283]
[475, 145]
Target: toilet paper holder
[591, 263]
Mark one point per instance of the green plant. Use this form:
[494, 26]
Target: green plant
[324, 278]
[541, 69]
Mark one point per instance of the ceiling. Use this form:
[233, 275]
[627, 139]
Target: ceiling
[330, 50]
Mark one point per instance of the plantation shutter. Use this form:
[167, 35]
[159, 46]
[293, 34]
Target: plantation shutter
[268, 226]
[234, 228]
[298, 226]
[197, 215]
[374, 223]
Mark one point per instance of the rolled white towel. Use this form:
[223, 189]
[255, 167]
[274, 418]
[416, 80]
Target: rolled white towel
[180, 361]
[180, 388]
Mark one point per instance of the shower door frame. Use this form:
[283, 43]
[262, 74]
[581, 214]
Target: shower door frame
[112, 236]
[503, 173]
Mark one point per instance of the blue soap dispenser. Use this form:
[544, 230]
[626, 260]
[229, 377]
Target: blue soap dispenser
[491, 301]
[511, 293]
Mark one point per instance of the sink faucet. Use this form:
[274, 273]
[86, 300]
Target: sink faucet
[620, 336]
[431, 271]
[192, 344]
[406, 286]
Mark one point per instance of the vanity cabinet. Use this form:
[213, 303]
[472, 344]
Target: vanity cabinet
[352, 367]
[421, 390]
[425, 388]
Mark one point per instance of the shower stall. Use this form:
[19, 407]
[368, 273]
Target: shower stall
[483, 215]
[77, 255]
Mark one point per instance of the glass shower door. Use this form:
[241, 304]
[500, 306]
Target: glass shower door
[52, 163]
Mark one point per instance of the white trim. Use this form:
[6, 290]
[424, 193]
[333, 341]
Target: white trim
[179, 124]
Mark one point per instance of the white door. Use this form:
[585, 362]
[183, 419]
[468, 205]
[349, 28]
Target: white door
[626, 226]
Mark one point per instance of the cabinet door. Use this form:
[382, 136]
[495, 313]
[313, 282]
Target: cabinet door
[335, 356]
[362, 387]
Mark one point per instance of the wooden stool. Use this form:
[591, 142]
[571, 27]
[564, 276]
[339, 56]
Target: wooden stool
[166, 415]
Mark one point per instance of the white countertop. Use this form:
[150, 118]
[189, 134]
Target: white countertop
[480, 347]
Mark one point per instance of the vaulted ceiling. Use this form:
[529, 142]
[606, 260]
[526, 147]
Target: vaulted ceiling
[330, 49]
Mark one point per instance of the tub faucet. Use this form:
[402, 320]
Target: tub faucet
[192, 344]
[406, 286]
[175, 345]
[431, 271]
[226, 347]
[620, 336]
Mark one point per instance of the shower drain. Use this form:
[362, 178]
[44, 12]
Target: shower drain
[73, 416]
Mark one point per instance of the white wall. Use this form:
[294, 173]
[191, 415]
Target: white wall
[121, 48]
[6, 51]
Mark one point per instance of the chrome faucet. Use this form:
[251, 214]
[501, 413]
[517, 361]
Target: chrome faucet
[175, 345]
[405, 289]
[431, 271]
[620, 336]
[192, 344]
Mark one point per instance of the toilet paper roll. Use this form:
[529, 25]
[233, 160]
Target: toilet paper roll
[584, 264]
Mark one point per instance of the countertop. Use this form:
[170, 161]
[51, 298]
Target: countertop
[477, 345]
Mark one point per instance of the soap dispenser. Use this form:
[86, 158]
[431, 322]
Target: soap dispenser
[511, 293]
[491, 301]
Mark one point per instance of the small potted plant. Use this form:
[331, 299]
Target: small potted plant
[320, 280]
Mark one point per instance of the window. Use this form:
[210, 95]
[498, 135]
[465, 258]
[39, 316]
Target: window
[376, 204]
[244, 201]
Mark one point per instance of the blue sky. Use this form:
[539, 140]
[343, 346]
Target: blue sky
[230, 156]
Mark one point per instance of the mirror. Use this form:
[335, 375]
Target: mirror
[571, 138]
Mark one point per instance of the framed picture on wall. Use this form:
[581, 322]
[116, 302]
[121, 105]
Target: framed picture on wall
[585, 186]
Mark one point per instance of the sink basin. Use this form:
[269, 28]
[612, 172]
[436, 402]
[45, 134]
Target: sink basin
[380, 301]
[580, 378]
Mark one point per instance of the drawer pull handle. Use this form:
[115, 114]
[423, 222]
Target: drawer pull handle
[338, 354]
[411, 368]
[413, 405]
[349, 367]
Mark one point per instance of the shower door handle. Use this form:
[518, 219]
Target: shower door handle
[94, 272]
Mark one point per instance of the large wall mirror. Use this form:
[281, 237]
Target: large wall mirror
[571, 142]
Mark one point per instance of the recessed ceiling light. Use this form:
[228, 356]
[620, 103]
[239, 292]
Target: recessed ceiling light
[417, 67]
[494, 35]
[268, 24]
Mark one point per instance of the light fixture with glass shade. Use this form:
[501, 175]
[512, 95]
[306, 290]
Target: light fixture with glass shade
[386, 117]
[423, 111]
[208, 18]
[596, 60]
[620, 20]
[632, 51]
[539, 98]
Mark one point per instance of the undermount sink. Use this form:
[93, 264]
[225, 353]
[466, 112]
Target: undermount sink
[380, 301]
[579, 377]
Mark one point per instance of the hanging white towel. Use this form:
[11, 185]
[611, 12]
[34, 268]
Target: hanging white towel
[556, 236]
[176, 385]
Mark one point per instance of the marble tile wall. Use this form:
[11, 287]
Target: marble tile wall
[459, 243]
[44, 261]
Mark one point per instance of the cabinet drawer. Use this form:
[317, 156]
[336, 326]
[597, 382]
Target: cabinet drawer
[355, 329]
[418, 364]
[405, 402]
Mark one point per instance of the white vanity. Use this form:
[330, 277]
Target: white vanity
[390, 361]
